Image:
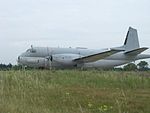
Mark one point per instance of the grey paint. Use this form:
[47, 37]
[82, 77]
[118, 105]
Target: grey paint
[47, 57]
[131, 41]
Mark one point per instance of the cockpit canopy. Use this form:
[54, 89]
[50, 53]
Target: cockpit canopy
[31, 50]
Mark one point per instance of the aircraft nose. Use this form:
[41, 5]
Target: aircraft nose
[18, 59]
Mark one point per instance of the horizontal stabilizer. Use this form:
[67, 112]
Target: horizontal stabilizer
[136, 51]
[95, 57]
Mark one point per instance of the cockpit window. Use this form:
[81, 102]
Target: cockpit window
[31, 50]
[28, 50]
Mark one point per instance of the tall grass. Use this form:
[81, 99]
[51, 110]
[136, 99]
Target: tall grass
[74, 91]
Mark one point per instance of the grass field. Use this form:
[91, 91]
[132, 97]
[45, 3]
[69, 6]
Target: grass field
[74, 91]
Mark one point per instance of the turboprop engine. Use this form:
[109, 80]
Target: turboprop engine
[49, 61]
[65, 59]
[35, 62]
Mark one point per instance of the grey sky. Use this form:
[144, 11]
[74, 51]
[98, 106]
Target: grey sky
[64, 23]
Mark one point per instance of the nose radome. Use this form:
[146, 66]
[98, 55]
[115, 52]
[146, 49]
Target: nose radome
[18, 59]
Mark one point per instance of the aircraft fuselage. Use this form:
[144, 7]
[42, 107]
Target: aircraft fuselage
[46, 57]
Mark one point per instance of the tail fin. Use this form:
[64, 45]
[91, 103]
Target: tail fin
[131, 45]
[131, 41]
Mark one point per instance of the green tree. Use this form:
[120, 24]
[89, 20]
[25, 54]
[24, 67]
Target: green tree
[130, 67]
[143, 65]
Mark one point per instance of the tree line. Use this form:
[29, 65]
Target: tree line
[5, 67]
[141, 66]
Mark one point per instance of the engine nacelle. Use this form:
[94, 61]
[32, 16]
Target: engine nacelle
[35, 62]
[57, 60]
[65, 59]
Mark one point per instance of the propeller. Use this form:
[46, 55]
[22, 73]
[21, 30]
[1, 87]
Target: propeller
[50, 59]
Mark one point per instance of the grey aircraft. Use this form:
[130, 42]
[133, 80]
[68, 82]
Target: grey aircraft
[49, 57]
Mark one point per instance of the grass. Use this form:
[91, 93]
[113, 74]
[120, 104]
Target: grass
[74, 91]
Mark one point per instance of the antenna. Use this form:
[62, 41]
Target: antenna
[31, 46]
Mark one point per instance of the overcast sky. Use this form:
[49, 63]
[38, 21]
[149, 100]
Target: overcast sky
[88, 23]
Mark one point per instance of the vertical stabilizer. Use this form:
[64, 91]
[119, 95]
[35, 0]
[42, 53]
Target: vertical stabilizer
[131, 41]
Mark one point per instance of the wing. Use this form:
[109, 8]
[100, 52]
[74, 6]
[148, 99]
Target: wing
[95, 57]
